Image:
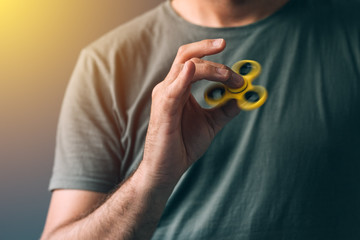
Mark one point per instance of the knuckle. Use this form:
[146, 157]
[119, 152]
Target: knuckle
[181, 50]
[156, 90]
[222, 66]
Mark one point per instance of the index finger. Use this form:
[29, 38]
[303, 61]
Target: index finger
[199, 49]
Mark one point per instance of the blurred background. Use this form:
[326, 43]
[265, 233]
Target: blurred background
[40, 41]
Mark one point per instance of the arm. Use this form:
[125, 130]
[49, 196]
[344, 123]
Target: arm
[179, 132]
[73, 214]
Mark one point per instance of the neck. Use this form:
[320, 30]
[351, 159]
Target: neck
[226, 13]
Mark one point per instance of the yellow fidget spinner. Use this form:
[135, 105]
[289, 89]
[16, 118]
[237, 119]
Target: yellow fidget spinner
[248, 97]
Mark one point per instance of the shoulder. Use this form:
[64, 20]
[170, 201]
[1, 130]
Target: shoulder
[128, 36]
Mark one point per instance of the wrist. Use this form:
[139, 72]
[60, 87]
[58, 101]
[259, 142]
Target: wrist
[153, 180]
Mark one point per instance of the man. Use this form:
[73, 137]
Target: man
[288, 170]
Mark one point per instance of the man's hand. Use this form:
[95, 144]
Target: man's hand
[180, 130]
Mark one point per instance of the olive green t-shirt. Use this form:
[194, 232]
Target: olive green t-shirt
[288, 170]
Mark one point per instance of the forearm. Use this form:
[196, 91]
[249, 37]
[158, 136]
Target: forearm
[132, 212]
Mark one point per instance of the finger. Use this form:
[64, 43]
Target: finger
[205, 70]
[199, 49]
[218, 73]
[220, 116]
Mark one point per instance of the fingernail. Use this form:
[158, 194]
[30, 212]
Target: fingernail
[238, 79]
[217, 42]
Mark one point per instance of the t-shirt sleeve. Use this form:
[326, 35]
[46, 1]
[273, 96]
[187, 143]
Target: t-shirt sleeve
[87, 152]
